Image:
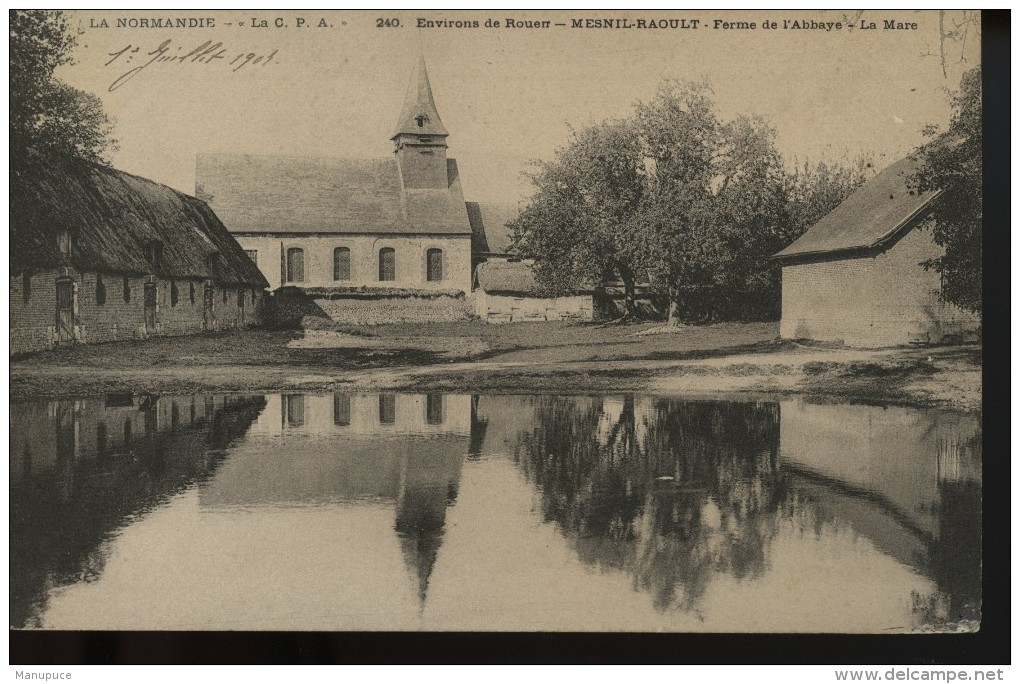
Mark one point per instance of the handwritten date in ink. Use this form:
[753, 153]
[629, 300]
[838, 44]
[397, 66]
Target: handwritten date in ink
[207, 53]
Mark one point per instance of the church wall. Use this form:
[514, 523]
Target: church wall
[410, 253]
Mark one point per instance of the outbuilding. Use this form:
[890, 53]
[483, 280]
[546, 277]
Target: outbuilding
[98, 255]
[508, 292]
[856, 277]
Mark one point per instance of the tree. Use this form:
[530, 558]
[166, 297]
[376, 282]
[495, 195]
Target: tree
[717, 206]
[952, 163]
[680, 136]
[813, 190]
[50, 119]
[698, 202]
[580, 219]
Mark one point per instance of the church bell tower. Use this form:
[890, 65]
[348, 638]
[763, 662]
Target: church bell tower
[420, 137]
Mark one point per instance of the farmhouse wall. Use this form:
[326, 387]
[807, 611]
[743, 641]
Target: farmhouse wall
[883, 300]
[33, 319]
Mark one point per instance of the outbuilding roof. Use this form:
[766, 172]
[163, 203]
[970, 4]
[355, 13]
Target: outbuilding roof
[871, 217]
[514, 277]
[301, 195]
[114, 217]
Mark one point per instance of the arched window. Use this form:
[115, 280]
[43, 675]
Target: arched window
[127, 289]
[295, 265]
[174, 295]
[434, 265]
[341, 263]
[341, 409]
[387, 264]
[294, 410]
[434, 409]
[191, 291]
[387, 409]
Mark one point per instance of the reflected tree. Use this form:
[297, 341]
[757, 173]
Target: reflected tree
[668, 492]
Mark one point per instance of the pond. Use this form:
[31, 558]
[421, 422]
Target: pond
[492, 512]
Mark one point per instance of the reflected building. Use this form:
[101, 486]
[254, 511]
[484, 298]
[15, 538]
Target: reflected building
[404, 451]
[80, 469]
[906, 479]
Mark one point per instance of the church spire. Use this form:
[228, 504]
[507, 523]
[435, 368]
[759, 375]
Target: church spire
[420, 139]
[419, 115]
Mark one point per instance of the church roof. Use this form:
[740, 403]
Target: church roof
[869, 218]
[300, 195]
[419, 115]
[490, 230]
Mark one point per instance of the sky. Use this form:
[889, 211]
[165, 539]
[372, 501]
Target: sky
[507, 95]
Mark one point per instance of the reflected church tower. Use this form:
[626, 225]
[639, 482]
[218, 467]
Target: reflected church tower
[407, 449]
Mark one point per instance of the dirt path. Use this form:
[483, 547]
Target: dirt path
[709, 360]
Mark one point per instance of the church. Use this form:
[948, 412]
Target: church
[357, 231]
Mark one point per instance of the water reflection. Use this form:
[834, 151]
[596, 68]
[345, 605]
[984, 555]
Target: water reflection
[678, 494]
[85, 468]
[444, 511]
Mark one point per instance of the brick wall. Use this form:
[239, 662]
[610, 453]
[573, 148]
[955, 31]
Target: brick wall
[33, 320]
[32, 313]
[876, 301]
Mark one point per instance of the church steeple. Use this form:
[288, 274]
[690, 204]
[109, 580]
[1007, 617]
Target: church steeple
[419, 115]
[420, 137]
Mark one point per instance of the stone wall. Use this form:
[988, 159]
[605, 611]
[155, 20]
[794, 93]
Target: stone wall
[356, 310]
[501, 308]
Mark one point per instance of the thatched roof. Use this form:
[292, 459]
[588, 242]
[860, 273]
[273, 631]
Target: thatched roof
[874, 216]
[490, 229]
[113, 217]
[303, 195]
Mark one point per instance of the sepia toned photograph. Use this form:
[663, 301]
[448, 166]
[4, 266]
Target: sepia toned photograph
[496, 321]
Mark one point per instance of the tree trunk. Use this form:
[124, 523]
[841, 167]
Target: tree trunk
[630, 305]
[674, 307]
